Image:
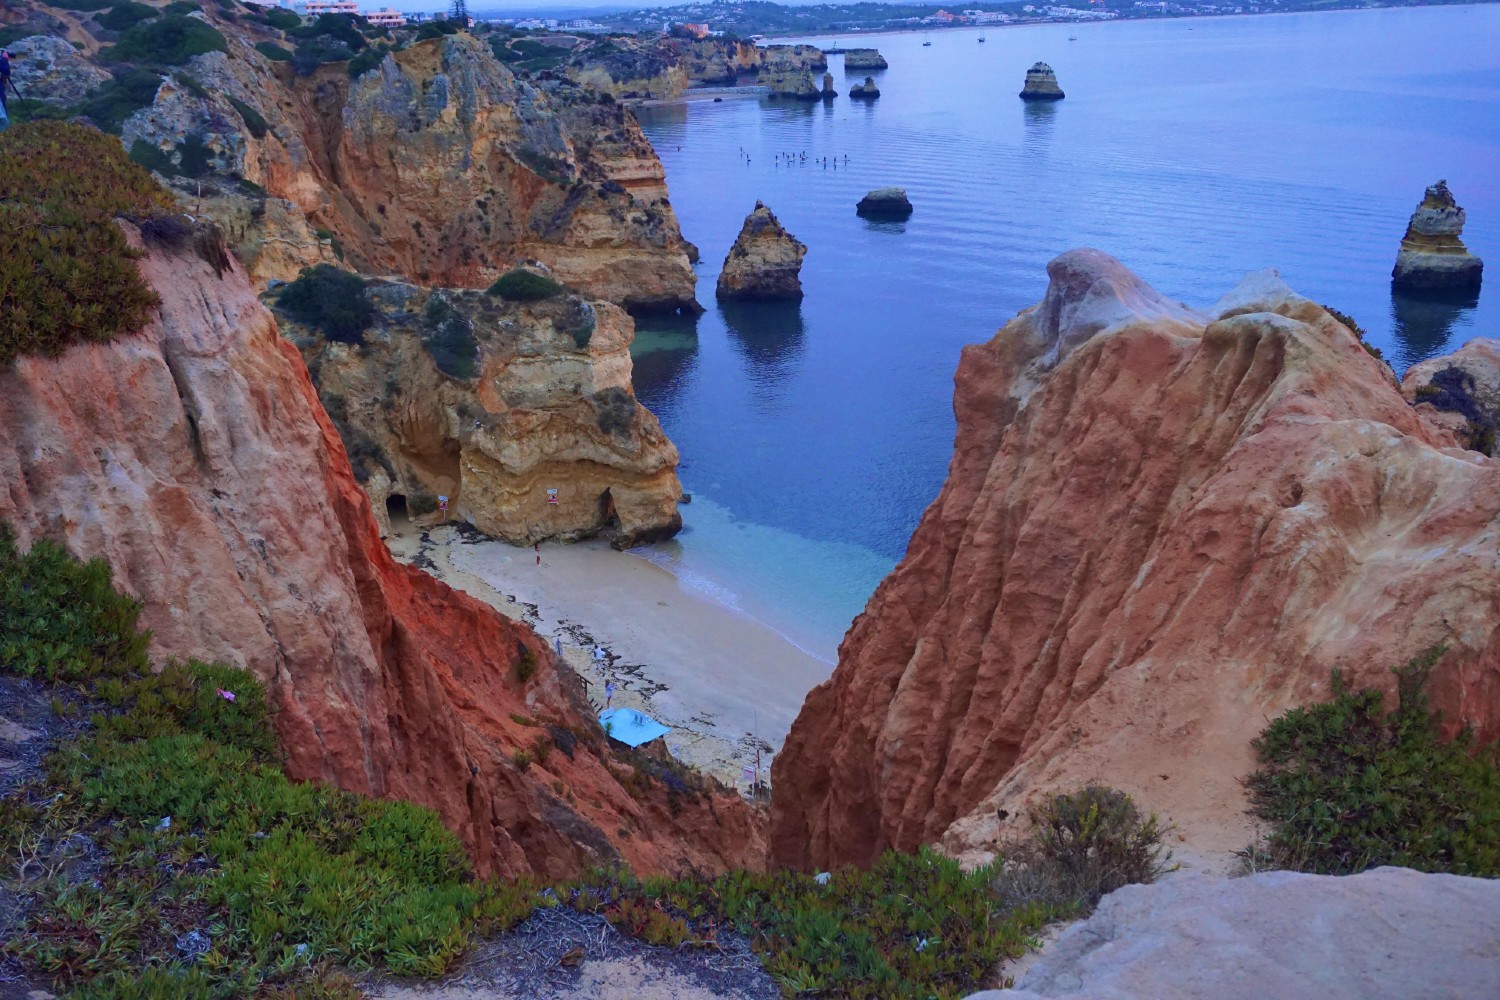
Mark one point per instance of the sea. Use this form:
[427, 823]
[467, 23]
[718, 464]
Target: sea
[814, 435]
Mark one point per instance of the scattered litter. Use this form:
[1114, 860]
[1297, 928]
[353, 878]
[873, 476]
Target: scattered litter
[301, 949]
[822, 877]
[165, 824]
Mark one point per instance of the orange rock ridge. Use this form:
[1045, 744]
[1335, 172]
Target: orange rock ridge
[1160, 529]
[196, 459]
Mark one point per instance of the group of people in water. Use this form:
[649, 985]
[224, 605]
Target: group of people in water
[799, 159]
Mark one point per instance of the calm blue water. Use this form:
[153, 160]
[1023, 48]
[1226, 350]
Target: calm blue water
[1193, 150]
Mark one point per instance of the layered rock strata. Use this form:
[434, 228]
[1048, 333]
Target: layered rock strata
[866, 91]
[522, 414]
[885, 203]
[438, 165]
[1432, 258]
[765, 261]
[1041, 84]
[1160, 529]
[864, 59]
[1278, 934]
[195, 458]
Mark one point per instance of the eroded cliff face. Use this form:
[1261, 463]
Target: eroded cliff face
[460, 394]
[439, 165]
[196, 459]
[1160, 529]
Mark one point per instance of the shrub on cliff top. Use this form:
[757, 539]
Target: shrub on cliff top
[521, 285]
[66, 272]
[166, 41]
[126, 14]
[1347, 786]
[330, 299]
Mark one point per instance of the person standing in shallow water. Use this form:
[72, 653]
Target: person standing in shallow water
[538, 547]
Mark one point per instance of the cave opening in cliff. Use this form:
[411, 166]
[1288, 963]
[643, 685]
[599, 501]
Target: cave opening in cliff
[396, 513]
[609, 519]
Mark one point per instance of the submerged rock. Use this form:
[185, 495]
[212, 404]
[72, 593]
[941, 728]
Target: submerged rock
[765, 261]
[865, 91]
[885, 203]
[1278, 934]
[1161, 528]
[1041, 84]
[1432, 258]
[864, 59]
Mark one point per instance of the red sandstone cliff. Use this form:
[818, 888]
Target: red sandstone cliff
[196, 459]
[1160, 529]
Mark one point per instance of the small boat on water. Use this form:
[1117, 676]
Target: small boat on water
[981, 38]
[926, 43]
[1072, 38]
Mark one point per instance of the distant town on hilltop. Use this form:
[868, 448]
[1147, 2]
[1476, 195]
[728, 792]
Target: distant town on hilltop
[756, 19]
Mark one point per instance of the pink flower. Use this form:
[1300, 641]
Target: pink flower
[226, 695]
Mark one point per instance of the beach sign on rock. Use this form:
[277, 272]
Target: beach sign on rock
[552, 496]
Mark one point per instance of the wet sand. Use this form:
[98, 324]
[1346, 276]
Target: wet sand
[723, 681]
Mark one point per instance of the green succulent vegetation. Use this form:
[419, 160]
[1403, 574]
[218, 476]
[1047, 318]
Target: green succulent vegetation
[522, 285]
[1358, 331]
[66, 272]
[281, 18]
[176, 794]
[253, 119]
[330, 299]
[1346, 785]
[448, 336]
[166, 41]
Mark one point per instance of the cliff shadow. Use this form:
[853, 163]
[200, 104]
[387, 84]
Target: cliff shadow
[663, 356]
[1423, 325]
[770, 337]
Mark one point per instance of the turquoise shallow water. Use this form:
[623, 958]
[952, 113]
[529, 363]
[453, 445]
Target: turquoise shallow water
[813, 436]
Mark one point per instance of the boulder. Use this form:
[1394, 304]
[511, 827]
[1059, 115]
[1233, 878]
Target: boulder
[866, 91]
[885, 203]
[1161, 528]
[1432, 258]
[828, 92]
[864, 59]
[1041, 84]
[1461, 393]
[765, 261]
[1386, 934]
[46, 68]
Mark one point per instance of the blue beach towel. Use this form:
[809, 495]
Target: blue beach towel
[631, 727]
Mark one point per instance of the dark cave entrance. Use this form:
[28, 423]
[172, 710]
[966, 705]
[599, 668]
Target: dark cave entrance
[609, 519]
[396, 512]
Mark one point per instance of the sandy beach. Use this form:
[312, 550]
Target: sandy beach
[723, 681]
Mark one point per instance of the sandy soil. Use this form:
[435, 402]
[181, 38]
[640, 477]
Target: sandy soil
[724, 682]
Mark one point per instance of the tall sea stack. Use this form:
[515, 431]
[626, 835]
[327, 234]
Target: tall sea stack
[828, 92]
[1041, 84]
[1432, 258]
[765, 261]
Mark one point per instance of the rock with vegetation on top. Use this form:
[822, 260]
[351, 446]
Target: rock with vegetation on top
[1041, 84]
[765, 261]
[1461, 392]
[866, 91]
[1160, 528]
[794, 84]
[864, 59]
[885, 203]
[1389, 932]
[1432, 258]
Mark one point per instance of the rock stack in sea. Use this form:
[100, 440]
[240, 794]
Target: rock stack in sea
[865, 91]
[1041, 84]
[828, 92]
[864, 59]
[1432, 257]
[794, 83]
[765, 261]
[885, 203]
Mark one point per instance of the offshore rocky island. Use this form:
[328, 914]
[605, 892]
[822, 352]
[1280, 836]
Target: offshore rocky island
[284, 288]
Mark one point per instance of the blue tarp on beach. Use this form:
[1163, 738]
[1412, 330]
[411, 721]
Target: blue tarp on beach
[631, 727]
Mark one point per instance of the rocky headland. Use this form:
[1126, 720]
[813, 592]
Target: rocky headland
[866, 91]
[864, 59]
[1432, 259]
[793, 84]
[765, 261]
[1041, 84]
[195, 458]
[1160, 528]
[492, 404]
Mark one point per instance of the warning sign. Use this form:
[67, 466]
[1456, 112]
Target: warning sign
[552, 496]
